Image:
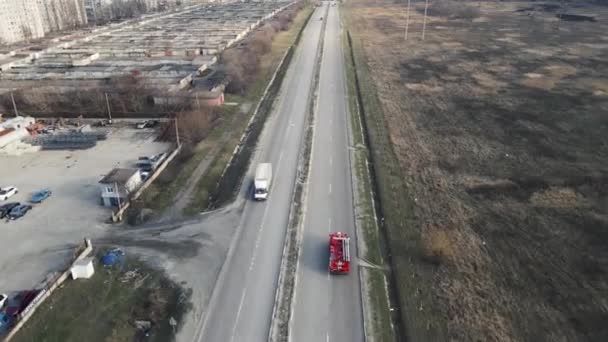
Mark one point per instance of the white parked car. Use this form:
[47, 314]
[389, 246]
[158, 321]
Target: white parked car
[6, 193]
[3, 299]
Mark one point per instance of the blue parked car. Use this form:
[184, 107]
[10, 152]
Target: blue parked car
[41, 196]
[5, 322]
[19, 211]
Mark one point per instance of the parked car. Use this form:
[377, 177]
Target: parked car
[41, 196]
[5, 322]
[3, 300]
[7, 192]
[19, 211]
[144, 175]
[102, 123]
[6, 208]
[149, 164]
[147, 124]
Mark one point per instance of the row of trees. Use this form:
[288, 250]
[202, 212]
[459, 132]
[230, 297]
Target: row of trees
[242, 63]
[127, 95]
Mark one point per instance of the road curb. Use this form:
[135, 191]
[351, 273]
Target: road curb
[371, 333]
[361, 245]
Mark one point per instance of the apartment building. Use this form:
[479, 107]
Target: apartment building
[29, 19]
[102, 11]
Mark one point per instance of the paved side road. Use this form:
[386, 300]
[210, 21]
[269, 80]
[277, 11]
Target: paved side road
[241, 305]
[328, 308]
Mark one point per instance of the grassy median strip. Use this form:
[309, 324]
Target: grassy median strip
[284, 299]
[115, 304]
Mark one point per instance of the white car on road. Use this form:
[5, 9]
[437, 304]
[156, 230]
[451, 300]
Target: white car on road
[6, 193]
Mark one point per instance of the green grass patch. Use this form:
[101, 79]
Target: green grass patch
[107, 306]
[161, 194]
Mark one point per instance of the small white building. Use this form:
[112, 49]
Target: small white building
[14, 129]
[17, 122]
[117, 185]
[83, 269]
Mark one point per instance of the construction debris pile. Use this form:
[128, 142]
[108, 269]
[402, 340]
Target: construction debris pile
[24, 134]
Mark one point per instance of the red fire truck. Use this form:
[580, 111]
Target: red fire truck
[339, 253]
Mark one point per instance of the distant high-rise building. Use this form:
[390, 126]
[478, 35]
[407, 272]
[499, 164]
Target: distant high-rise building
[101, 11]
[27, 19]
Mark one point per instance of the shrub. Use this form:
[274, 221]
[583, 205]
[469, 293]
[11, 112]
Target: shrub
[438, 246]
[193, 127]
[242, 63]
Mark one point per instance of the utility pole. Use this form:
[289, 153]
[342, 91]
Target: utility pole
[14, 105]
[177, 132]
[561, 11]
[117, 195]
[407, 19]
[426, 7]
[109, 111]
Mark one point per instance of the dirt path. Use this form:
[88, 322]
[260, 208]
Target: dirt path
[183, 197]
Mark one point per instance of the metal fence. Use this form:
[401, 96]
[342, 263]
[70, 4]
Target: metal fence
[67, 141]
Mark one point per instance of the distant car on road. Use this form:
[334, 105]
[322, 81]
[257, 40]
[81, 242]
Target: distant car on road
[7, 192]
[41, 196]
[147, 124]
[6, 208]
[19, 211]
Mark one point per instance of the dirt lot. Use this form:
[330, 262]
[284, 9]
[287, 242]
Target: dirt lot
[119, 303]
[39, 242]
[499, 127]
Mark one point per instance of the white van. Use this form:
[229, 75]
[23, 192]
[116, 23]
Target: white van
[262, 181]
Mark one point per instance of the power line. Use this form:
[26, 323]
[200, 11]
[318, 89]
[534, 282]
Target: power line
[407, 19]
[426, 7]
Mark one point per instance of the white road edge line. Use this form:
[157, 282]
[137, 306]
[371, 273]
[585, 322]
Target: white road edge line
[256, 249]
[238, 313]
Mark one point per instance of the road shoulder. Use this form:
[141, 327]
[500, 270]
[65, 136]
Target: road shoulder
[378, 325]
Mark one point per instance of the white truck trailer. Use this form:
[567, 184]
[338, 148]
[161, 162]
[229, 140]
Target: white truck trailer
[262, 181]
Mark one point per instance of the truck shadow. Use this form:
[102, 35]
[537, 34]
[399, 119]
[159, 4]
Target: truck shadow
[315, 253]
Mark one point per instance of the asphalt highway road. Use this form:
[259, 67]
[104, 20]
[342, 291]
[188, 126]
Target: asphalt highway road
[241, 305]
[328, 307]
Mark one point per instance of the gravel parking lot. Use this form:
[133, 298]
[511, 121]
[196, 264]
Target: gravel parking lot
[40, 242]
